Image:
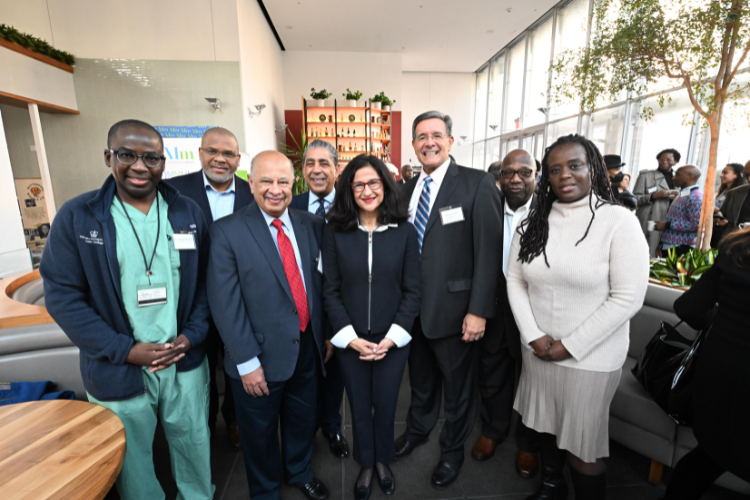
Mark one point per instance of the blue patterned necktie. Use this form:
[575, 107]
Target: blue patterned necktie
[423, 212]
[321, 211]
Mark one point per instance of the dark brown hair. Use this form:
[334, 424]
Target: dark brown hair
[736, 246]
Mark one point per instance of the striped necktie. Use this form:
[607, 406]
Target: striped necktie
[423, 212]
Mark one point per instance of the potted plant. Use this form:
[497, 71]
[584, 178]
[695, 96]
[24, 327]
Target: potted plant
[681, 272]
[381, 101]
[295, 153]
[352, 98]
[320, 97]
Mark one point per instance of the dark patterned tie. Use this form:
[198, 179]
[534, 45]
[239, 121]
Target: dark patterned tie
[292, 275]
[321, 211]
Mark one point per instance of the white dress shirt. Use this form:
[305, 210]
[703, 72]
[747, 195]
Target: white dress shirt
[437, 177]
[222, 204]
[313, 204]
[511, 222]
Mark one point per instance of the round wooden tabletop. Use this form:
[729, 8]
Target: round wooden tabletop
[59, 450]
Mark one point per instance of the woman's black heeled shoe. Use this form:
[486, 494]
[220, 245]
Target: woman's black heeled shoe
[388, 484]
[362, 492]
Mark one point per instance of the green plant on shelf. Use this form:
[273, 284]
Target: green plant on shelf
[382, 99]
[321, 95]
[34, 44]
[296, 153]
[352, 96]
[684, 270]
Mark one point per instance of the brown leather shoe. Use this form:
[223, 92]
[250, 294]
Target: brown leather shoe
[526, 464]
[484, 448]
[233, 438]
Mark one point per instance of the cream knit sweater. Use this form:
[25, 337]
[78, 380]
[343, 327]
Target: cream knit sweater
[589, 293]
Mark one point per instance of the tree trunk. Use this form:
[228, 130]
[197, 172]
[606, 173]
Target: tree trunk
[705, 229]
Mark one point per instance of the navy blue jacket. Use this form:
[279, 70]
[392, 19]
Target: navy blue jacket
[192, 186]
[82, 289]
[301, 201]
[249, 294]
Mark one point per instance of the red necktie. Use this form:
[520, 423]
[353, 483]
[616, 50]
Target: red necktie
[292, 275]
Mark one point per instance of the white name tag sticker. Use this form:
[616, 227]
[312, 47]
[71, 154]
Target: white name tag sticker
[184, 241]
[152, 295]
[451, 215]
[652, 190]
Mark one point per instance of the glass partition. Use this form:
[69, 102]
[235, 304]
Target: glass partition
[480, 109]
[561, 128]
[570, 34]
[514, 86]
[477, 160]
[537, 73]
[605, 129]
[497, 85]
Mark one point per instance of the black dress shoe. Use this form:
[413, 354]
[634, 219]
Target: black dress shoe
[362, 492]
[445, 473]
[337, 444]
[315, 490]
[387, 484]
[404, 446]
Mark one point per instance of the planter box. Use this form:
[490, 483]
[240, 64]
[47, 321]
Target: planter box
[352, 103]
[375, 105]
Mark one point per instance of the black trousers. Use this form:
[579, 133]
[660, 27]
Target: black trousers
[292, 403]
[693, 476]
[330, 395]
[442, 369]
[214, 347]
[373, 388]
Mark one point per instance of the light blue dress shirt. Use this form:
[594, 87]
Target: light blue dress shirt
[286, 225]
[313, 203]
[222, 204]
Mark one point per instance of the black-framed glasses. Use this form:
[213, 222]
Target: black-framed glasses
[129, 157]
[228, 155]
[524, 173]
[374, 184]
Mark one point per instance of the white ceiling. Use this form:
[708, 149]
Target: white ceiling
[432, 35]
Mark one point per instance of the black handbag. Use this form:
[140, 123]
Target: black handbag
[666, 370]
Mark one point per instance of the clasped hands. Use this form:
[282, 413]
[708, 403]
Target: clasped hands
[369, 351]
[548, 349]
[159, 356]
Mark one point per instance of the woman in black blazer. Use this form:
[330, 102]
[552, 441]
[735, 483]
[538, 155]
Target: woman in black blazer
[371, 296]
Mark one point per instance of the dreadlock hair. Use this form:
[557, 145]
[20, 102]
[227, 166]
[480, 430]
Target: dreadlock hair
[535, 229]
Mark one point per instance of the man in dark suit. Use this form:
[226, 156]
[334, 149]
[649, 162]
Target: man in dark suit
[218, 192]
[500, 352]
[265, 284]
[319, 166]
[406, 174]
[457, 213]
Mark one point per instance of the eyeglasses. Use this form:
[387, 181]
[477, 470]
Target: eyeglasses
[228, 155]
[128, 157]
[374, 184]
[523, 173]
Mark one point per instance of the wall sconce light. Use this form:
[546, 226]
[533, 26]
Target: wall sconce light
[283, 128]
[258, 107]
[493, 127]
[545, 111]
[463, 137]
[215, 102]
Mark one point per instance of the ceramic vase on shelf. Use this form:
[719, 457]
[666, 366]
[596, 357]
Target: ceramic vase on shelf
[386, 108]
[352, 103]
[321, 103]
[375, 105]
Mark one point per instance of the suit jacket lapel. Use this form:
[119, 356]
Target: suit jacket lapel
[450, 181]
[242, 197]
[262, 235]
[202, 198]
[303, 243]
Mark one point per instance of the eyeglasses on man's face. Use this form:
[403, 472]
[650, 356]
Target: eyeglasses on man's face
[128, 157]
[228, 155]
[524, 173]
[374, 184]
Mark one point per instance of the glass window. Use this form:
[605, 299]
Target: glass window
[513, 144]
[480, 110]
[537, 73]
[539, 146]
[605, 129]
[514, 86]
[478, 156]
[570, 34]
[497, 83]
[561, 128]
[493, 151]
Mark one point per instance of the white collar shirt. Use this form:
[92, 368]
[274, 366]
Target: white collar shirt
[437, 177]
[313, 201]
[510, 224]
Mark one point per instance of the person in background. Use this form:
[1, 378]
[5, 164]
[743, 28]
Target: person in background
[218, 191]
[406, 174]
[616, 176]
[731, 177]
[264, 288]
[494, 170]
[500, 348]
[625, 184]
[131, 295]
[393, 170]
[722, 376]
[371, 295]
[680, 230]
[319, 163]
[581, 274]
[457, 213]
[654, 190]
[736, 207]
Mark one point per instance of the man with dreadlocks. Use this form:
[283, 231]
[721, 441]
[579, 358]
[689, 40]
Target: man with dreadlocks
[579, 274]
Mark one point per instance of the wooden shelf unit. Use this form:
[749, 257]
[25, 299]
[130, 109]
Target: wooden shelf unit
[369, 134]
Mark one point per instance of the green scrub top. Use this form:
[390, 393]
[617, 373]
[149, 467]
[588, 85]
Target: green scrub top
[155, 323]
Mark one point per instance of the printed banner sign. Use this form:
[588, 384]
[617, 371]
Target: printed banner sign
[181, 149]
[33, 214]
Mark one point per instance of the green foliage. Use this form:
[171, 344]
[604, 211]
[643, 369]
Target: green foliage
[353, 96]
[37, 45]
[296, 153]
[320, 95]
[682, 271]
[382, 99]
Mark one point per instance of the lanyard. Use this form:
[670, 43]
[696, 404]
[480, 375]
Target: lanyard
[158, 230]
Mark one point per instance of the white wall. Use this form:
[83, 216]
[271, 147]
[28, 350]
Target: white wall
[262, 78]
[369, 72]
[449, 93]
[26, 77]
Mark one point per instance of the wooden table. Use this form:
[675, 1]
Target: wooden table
[59, 450]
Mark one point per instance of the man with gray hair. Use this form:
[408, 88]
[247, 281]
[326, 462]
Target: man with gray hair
[457, 213]
[319, 169]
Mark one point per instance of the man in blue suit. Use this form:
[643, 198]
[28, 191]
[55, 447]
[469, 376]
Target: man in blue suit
[320, 162]
[264, 283]
[218, 192]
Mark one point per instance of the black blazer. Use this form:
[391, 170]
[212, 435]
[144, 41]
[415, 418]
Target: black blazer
[504, 323]
[191, 185]
[459, 262]
[301, 201]
[732, 207]
[392, 297]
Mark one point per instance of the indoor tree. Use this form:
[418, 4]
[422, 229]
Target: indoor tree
[637, 44]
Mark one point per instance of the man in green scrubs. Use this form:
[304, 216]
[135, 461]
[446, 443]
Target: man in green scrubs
[157, 367]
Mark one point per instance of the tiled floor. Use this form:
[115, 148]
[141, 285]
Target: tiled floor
[495, 479]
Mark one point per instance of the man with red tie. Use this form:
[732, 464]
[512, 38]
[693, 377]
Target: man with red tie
[264, 283]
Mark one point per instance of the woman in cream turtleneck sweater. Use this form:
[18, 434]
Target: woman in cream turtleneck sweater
[580, 274]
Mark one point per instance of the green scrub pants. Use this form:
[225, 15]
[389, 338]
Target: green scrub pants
[180, 399]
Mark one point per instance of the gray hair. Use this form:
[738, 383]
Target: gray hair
[252, 165]
[495, 170]
[320, 143]
[429, 115]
